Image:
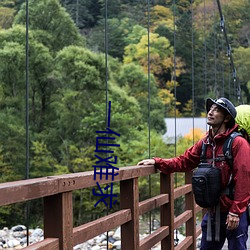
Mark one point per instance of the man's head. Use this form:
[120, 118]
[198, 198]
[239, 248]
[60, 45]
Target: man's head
[226, 107]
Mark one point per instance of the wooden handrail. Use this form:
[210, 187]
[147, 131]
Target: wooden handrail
[58, 209]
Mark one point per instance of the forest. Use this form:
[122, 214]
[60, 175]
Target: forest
[151, 59]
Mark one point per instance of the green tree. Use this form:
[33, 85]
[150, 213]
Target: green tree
[84, 13]
[53, 25]
[136, 82]
[161, 57]
[80, 102]
[118, 31]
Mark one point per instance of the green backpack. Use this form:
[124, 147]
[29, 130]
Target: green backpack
[243, 120]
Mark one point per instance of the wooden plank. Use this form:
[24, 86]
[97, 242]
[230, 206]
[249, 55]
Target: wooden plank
[129, 199]
[24, 190]
[185, 244]
[178, 192]
[46, 244]
[167, 210]
[58, 219]
[198, 209]
[190, 205]
[90, 230]
[198, 231]
[182, 218]
[86, 179]
[154, 238]
[152, 203]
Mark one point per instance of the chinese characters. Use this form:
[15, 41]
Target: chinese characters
[104, 144]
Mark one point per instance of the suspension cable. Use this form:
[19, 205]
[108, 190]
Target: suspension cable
[149, 120]
[215, 51]
[229, 53]
[192, 76]
[205, 49]
[27, 207]
[221, 66]
[175, 95]
[106, 83]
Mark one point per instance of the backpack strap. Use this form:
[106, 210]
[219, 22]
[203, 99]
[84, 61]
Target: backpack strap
[203, 152]
[227, 148]
[227, 151]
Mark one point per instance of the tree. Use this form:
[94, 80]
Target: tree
[53, 25]
[84, 13]
[161, 16]
[136, 82]
[80, 102]
[40, 60]
[161, 57]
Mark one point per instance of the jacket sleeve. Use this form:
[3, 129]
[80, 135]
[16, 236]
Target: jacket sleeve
[241, 175]
[183, 163]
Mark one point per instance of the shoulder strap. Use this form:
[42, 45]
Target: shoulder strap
[227, 148]
[203, 152]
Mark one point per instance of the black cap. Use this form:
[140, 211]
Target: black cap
[223, 103]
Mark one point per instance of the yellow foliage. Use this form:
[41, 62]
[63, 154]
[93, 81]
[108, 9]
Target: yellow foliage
[203, 114]
[174, 112]
[160, 53]
[172, 84]
[161, 15]
[166, 96]
[195, 134]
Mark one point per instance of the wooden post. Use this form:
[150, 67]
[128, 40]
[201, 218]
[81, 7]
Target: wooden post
[190, 205]
[58, 219]
[167, 210]
[129, 195]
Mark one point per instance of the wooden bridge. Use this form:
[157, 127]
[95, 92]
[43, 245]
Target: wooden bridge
[59, 233]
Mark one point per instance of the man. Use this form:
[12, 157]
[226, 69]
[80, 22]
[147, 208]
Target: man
[221, 115]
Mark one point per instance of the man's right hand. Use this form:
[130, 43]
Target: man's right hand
[146, 162]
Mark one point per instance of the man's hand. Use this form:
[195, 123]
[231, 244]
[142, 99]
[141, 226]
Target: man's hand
[146, 162]
[232, 221]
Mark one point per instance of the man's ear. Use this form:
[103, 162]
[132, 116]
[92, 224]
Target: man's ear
[228, 118]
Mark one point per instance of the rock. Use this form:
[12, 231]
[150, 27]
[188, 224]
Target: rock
[95, 248]
[23, 240]
[91, 242]
[81, 246]
[111, 233]
[38, 232]
[117, 244]
[16, 238]
[13, 243]
[117, 235]
[18, 228]
[111, 240]
[100, 238]
[103, 243]
[3, 233]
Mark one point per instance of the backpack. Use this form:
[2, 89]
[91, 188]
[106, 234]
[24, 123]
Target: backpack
[206, 179]
[206, 185]
[243, 120]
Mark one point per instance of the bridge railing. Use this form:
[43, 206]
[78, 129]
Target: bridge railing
[59, 233]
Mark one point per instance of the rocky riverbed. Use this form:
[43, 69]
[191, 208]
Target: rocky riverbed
[16, 238]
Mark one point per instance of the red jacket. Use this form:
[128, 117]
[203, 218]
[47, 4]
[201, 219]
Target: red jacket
[241, 167]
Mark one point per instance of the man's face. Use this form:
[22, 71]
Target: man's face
[215, 116]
